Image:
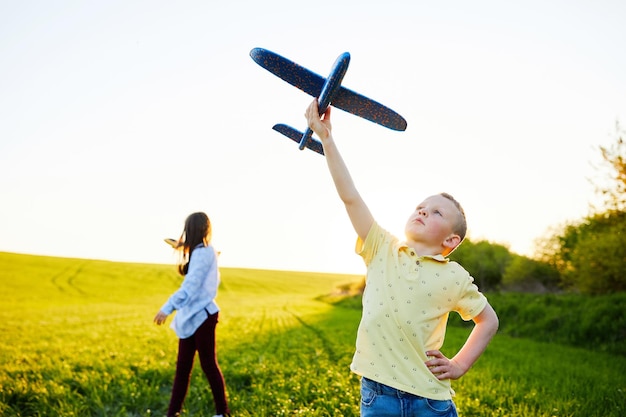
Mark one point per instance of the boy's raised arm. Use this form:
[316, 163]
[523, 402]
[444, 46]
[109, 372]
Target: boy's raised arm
[359, 213]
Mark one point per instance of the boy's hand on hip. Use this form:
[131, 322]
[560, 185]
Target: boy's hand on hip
[442, 367]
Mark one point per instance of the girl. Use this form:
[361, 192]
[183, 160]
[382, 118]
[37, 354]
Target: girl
[197, 314]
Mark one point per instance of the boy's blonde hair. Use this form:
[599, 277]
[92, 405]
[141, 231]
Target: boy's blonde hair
[460, 226]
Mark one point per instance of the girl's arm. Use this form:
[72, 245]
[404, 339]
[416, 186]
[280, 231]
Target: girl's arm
[200, 266]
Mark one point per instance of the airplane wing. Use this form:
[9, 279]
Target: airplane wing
[367, 108]
[295, 74]
[296, 136]
[312, 84]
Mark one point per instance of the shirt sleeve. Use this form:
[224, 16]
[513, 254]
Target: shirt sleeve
[472, 301]
[197, 276]
[367, 248]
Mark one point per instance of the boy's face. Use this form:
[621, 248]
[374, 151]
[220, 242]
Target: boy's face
[433, 221]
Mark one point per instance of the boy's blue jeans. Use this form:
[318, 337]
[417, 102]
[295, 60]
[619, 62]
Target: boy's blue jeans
[379, 400]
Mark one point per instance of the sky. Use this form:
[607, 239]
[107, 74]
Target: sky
[120, 118]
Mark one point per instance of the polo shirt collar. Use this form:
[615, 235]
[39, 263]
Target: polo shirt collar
[439, 257]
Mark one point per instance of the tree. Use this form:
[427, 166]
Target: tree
[485, 261]
[530, 275]
[590, 254]
[595, 261]
[613, 191]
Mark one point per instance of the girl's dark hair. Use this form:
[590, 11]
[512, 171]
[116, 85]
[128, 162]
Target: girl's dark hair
[197, 231]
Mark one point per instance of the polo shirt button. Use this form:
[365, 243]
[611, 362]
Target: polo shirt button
[417, 262]
[412, 253]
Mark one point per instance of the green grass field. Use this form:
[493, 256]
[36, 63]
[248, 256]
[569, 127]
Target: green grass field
[78, 340]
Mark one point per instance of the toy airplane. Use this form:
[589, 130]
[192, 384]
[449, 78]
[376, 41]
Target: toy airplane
[177, 244]
[328, 91]
[174, 243]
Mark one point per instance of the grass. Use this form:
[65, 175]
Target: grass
[78, 340]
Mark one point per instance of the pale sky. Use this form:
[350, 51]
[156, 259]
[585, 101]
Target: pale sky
[120, 118]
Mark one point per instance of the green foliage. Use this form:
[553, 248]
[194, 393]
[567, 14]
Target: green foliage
[530, 275]
[596, 323]
[78, 340]
[590, 255]
[614, 162]
[598, 258]
[485, 261]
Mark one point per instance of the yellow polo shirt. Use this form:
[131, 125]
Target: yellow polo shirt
[406, 303]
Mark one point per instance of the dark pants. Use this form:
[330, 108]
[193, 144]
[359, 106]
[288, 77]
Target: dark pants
[202, 341]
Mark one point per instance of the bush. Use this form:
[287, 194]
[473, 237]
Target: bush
[529, 275]
[596, 323]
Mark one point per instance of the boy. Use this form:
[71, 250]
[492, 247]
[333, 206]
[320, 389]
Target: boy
[410, 289]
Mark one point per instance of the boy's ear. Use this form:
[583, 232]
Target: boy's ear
[450, 243]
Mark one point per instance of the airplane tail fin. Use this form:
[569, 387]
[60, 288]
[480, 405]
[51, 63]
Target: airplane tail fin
[296, 136]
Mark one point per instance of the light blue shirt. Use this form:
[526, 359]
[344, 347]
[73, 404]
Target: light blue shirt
[195, 299]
